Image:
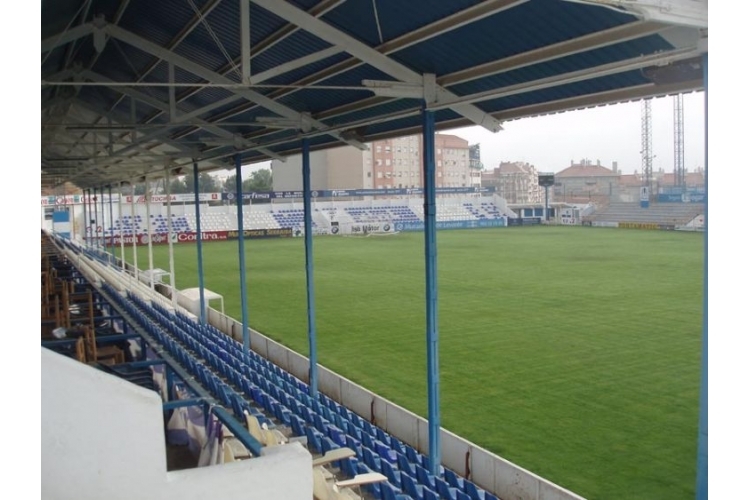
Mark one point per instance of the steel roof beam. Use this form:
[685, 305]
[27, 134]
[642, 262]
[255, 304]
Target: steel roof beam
[592, 41]
[207, 74]
[177, 122]
[318, 10]
[439, 27]
[368, 55]
[67, 36]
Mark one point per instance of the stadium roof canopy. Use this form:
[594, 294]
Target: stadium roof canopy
[133, 87]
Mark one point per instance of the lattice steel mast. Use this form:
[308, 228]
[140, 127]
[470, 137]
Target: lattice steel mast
[679, 143]
[646, 156]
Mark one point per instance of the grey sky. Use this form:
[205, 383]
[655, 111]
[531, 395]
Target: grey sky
[608, 133]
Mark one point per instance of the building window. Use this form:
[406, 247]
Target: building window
[378, 162]
[387, 149]
[369, 174]
[378, 149]
[380, 175]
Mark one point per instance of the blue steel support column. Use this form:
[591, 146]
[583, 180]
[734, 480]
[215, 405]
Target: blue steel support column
[430, 257]
[111, 224]
[701, 488]
[241, 240]
[199, 241]
[311, 334]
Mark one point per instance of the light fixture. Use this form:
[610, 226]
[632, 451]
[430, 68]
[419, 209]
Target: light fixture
[303, 123]
[386, 88]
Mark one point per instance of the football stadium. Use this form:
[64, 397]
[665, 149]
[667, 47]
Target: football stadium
[336, 339]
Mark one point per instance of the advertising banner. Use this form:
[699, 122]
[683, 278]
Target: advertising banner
[524, 221]
[347, 193]
[459, 224]
[191, 237]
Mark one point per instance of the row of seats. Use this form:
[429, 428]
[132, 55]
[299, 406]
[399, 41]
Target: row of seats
[294, 218]
[325, 424]
[159, 225]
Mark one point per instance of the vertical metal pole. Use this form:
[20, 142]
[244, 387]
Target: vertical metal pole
[701, 489]
[199, 241]
[133, 231]
[169, 239]
[546, 203]
[86, 216]
[241, 240]
[104, 223]
[430, 257]
[122, 236]
[311, 333]
[96, 222]
[148, 234]
[245, 40]
[111, 223]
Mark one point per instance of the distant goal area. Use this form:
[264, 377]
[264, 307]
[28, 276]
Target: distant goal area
[140, 220]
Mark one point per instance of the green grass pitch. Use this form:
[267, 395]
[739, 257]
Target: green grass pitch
[573, 352]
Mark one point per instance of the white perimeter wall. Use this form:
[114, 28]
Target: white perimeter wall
[491, 472]
[103, 438]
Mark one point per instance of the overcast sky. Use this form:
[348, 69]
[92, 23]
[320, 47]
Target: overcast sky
[609, 133]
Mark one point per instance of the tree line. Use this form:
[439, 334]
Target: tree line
[260, 180]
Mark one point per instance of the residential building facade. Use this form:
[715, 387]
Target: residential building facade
[390, 163]
[517, 182]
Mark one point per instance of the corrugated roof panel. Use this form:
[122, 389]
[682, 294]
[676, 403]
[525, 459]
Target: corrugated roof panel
[354, 76]
[159, 22]
[596, 85]
[200, 47]
[534, 24]
[142, 110]
[262, 23]
[396, 17]
[315, 101]
[310, 69]
[208, 95]
[298, 44]
[100, 97]
[386, 108]
[412, 121]
[121, 62]
[575, 62]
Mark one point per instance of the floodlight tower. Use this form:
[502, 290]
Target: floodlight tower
[679, 144]
[646, 156]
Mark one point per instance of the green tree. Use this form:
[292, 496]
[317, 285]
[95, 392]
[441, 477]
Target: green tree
[206, 183]
[260, 180]
[178, 186]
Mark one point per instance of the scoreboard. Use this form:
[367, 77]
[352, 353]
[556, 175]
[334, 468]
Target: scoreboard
[546, 179]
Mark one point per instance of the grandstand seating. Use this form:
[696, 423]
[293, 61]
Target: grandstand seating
[159, 225]
[256, 389]
[675, 214]
[485, 210]
[292, 216]
[373, 215]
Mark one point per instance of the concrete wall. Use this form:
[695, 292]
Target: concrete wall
[489, 471]
[103, 437]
